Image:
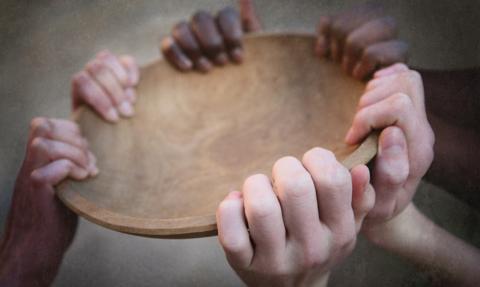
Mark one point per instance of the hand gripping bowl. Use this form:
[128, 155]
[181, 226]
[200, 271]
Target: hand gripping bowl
[196, 137]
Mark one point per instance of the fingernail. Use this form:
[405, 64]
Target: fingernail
[126, 109]
[82, 173]
[185, 63]
[234, 195]
[112, 115]
[348, 137]
[237, 55]
[94, 171]
[221, 59]
[204, 65]
[131, 95]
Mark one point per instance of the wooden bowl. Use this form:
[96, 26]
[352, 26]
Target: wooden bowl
[196, 137]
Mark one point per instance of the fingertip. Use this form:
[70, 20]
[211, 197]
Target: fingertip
[131, 95]
[203, 65]
[221, 59]
[112, 115]
[350, 137]
[237, 55]
[132, 69]
[126, 109]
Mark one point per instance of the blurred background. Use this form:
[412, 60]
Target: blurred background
[44, 42]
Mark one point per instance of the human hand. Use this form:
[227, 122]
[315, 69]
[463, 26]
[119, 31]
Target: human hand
[363, 39]
[394, 101]
[206, 40]
[107, 84]
[291, 232]
[39, 227]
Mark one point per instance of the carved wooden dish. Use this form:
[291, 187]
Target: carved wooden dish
[196, 137]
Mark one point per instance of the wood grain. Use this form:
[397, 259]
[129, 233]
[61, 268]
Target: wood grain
[196, 137]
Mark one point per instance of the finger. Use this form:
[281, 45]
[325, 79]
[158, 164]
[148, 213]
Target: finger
[380, 55]
[54, 172]
[397, 110]
[232, 231]
[115, 67]
[174, 55]
[209, 38]
[131, 67]
[363, 195]
[59, 130]
[86, 90]
[390, 70]
[105, 79]
[390, 172]
[250, 21]
[374, 31]
[44, 151]
[131, 95]
[334, 188]
[344, 23]
[409, 82]
[323, 36]
[184, 36]
[264, 217]
[231, 29]
[296, 191]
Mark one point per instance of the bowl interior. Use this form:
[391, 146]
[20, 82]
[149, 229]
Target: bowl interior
[196, 137]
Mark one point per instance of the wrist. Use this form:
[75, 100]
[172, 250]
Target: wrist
[385, 233]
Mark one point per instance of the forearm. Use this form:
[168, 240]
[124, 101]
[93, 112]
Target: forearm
[22, 264]
[413, 236]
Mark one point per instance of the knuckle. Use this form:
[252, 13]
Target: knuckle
[315, 153]
[370, 55]
[345, 239]
[36, 178]
[233, 244]
[314, 256]
[353, 45]
[39, 123]
[261, 208]
[94, 66]
[396, 174]
[335, 177]
[253, 180]
[339, 31]
[224, 207]
[413, 77]
[297, 186]
[40, 144]
[166, 44]
[285, 162]
[401, 102]
[79, 79]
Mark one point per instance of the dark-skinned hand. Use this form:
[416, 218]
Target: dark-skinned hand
[209, 40]
[363, 39]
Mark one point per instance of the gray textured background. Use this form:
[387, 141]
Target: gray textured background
[44, 42]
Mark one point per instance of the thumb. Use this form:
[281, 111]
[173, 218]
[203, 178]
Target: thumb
[390, 172]
[250, 21]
